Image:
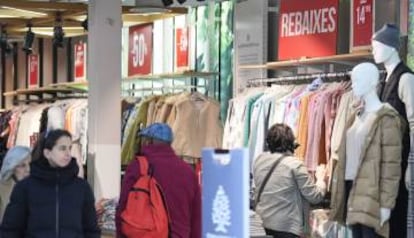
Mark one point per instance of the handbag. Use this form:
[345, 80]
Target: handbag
[262, 186]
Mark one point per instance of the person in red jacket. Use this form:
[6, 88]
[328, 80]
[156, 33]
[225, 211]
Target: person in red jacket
[177, 179]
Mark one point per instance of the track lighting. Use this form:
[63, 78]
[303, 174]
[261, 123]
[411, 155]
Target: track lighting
[167, 2]
[84, 24]
[58, 33]
[28, 40]
[4, 44]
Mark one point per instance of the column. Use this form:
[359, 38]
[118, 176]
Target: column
[104, 76]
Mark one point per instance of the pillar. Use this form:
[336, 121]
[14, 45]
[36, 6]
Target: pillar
[104, 76]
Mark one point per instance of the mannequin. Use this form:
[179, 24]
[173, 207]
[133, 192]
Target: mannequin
[365, 180]
[398, 90]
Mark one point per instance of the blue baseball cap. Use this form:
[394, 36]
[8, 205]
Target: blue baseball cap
[159, 131]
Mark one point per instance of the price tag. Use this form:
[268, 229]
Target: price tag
[362, 23]
[140, 49]
[33, 68]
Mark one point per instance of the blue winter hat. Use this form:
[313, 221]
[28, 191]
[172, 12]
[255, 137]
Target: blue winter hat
[159, 131]
[13, 158]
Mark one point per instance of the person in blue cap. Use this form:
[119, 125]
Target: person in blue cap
[177, 179]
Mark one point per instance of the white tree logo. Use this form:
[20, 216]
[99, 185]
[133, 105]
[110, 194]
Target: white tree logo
[221, 210]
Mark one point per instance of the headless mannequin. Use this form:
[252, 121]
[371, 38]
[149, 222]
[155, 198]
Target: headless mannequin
[365, 77]
[389, 57]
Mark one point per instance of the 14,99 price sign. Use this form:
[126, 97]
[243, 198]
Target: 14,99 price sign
[362, 23]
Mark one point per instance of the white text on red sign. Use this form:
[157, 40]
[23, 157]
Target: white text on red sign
[309, 22]
[139, 50]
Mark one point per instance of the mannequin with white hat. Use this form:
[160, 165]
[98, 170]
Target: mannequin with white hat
[398, 90]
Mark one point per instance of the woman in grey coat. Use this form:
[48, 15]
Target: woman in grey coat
[289, 187]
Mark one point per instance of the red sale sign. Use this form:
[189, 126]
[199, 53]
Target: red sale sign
[307, 28]
[181, 47]
[140, 50]
[80, 61]
[33, 70]
[362, 23]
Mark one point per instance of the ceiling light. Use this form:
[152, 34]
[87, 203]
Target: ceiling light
[181, 1]
[24, 11]
[4, 44]
[84, 24]
[28, 40]
[167, 2]
[58, 33]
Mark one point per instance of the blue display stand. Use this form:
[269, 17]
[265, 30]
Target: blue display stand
[225, 185]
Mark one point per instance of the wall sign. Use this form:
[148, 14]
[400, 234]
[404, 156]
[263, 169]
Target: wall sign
[33, 71]
[80, 61]
[307, 28]
[140, 50]
[181, 47]
[250, 28]
[362, 22]
[225, 193]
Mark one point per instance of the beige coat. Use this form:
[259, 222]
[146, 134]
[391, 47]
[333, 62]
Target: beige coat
[6, 188]
[377, 179]
[196, 124]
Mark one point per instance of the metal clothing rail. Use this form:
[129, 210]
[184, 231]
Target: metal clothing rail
[301, 78]
[304, 78]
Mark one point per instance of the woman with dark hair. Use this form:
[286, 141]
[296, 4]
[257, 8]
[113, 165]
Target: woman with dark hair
[288, 186]
[52, 201]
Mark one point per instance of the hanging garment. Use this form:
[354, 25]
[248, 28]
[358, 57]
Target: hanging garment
[196, 125]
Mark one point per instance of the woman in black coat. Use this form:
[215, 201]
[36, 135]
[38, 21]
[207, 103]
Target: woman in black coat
[52, 201]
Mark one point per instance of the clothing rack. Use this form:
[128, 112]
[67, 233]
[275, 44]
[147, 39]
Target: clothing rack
[51, 99]
[304, 78]
[163, 89]
[301, 78]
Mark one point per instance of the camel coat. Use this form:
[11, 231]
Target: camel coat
[378, 175]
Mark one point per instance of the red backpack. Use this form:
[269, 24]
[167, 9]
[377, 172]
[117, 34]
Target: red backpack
[146, 213]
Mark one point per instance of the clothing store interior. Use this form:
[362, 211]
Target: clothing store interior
[295, 118]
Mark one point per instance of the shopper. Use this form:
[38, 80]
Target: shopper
[15, 167]
[289, 187]
[178, 181]
[52, 201]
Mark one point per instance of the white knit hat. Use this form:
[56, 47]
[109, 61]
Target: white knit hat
[13, 158]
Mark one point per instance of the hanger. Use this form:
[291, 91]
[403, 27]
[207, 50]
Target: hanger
[197, 96]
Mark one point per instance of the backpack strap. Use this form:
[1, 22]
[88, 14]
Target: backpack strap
[143, 165]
